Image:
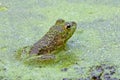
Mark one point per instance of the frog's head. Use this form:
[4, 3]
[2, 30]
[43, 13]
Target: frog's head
[65, 29]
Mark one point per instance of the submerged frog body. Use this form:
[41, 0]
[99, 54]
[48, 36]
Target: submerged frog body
[54, 39]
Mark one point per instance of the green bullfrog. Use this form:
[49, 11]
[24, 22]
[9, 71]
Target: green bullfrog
[53, 41]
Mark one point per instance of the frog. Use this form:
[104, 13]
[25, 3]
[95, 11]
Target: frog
[53, 41]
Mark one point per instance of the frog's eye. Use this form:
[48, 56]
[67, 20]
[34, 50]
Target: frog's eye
[59, 21]
[68, 26]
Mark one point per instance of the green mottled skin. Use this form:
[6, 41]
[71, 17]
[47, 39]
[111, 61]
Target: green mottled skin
[54, 39]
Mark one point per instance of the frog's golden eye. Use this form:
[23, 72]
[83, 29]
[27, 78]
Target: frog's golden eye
[68, 26]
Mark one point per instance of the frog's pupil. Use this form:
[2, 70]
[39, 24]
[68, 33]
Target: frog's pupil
[68, 26]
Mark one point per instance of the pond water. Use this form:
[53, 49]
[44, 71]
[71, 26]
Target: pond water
[96, 40]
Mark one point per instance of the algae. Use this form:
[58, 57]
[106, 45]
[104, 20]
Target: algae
[2, 7]
[27, 21]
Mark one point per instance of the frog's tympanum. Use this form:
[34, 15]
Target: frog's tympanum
[54, 40]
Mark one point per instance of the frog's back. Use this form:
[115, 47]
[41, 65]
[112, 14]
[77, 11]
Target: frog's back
[47, 44]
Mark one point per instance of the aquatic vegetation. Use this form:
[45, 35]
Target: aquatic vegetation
[3, 8]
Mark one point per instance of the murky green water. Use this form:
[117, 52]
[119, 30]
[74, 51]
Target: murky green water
[23, 22]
